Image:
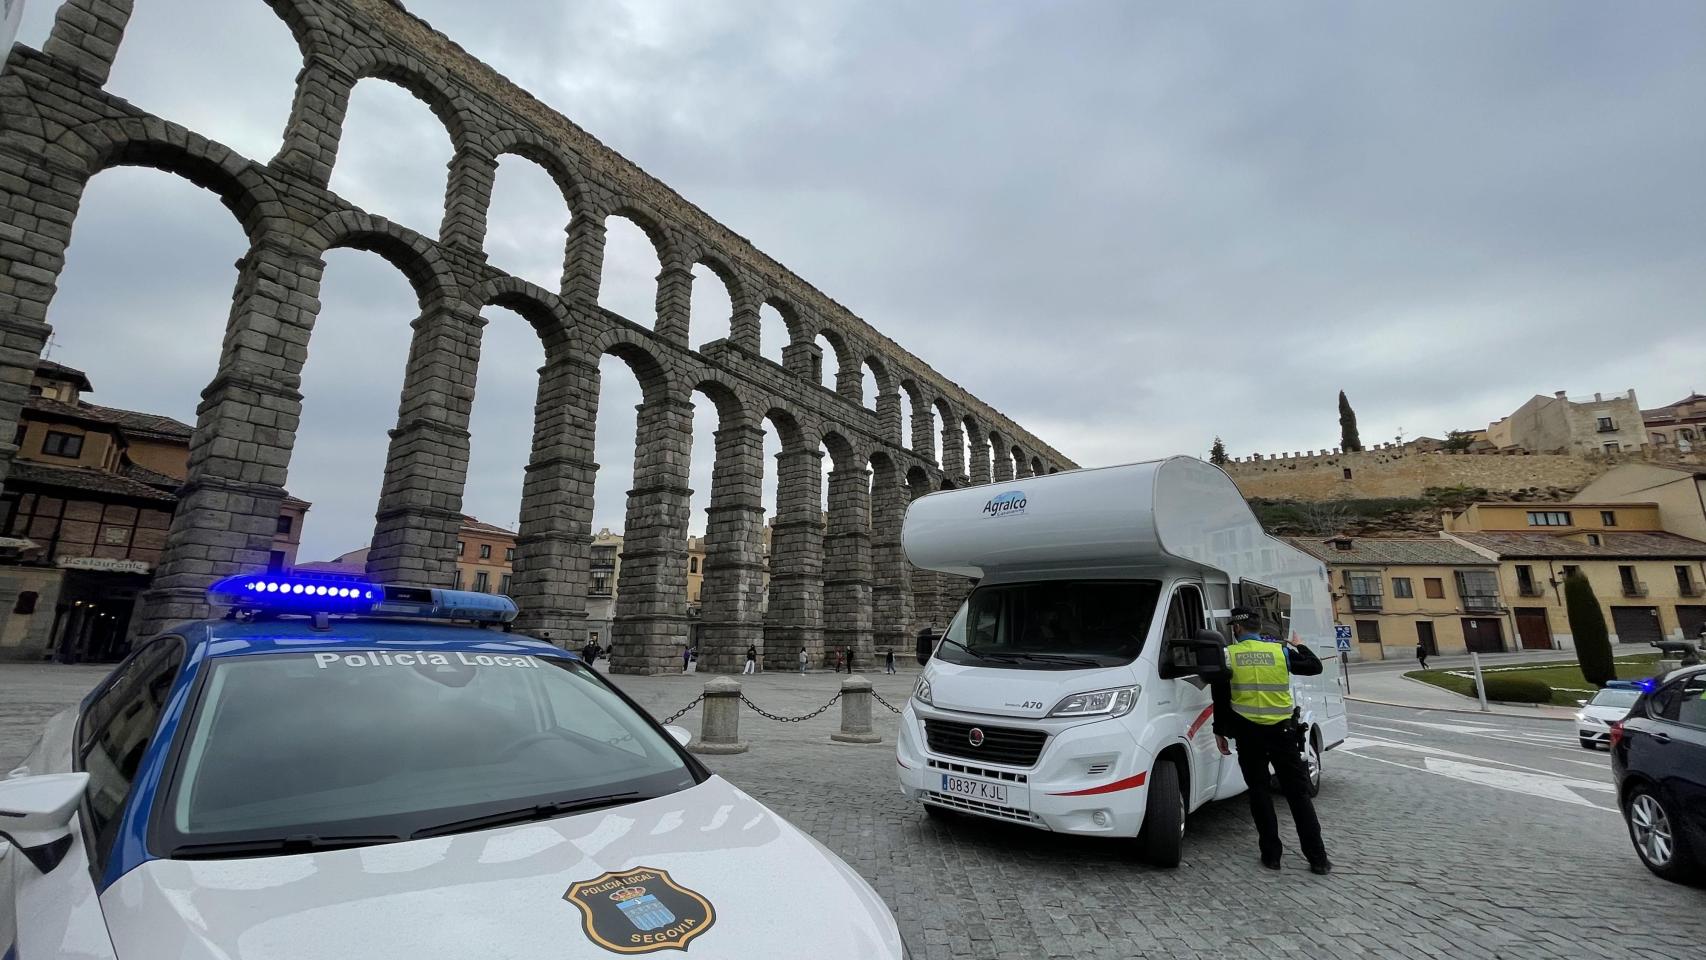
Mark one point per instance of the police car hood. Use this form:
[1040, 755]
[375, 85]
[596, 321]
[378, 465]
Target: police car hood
[717, 873]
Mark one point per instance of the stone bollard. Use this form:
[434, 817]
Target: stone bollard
[719, 725]
[855, 713]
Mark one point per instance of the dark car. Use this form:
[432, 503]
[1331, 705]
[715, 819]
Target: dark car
[1658, 754]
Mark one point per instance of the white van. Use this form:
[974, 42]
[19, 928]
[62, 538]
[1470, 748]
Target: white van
[1067, 693]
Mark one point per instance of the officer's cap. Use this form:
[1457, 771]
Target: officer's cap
[1242, 615]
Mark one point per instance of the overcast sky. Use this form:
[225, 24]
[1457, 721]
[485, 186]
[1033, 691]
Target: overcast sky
[1129, 226]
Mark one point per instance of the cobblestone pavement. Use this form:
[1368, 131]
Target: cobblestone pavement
[1426, 865]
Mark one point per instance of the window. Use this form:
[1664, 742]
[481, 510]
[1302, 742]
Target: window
[286, 523]
[1569, 570]
[1660, 440]
[592, 636]
[1525, 581]
[481, 581]
[601, 583]
[1368, 631]
[509, 554]
[461, 548]
[1613, 447]
[27, 601]
[1606, 425]
[1593, 539]
[18, 438]
[115, 732]
[1053, 624]
[1184, 619]
[1478, 588]
[1685, 433]
[1685, 581]
[275, 560]
[1548, 518]
[297, 743]
[1347, 473]
[1631, 586]
[503, 585]
[57, 444]
[456, 580]
[1682, 702]
[1401, 588]
[692, 564]
[1364, 589]
[485, 551]
[1608, 518]
[1434, 587]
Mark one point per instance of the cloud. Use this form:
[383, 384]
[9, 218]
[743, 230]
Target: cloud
[1129, 226]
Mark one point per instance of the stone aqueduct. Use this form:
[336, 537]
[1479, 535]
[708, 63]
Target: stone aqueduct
[844, 583]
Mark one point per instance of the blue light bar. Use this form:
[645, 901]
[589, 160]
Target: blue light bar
[303, 593]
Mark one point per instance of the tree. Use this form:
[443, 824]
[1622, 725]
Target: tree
[1459, 439]
[1349, 442]
[1587, 625]
[1217, 453]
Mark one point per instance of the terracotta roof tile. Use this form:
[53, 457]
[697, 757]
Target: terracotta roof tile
[87, 479]
[1397, 552]
[1627, 545]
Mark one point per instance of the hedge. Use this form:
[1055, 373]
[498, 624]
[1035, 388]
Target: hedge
[1516, 689]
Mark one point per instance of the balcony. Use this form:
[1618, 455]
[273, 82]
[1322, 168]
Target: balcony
[1481, 602]
[1632, 589]
[1529, 590]
[1365, 602]
[1690, 589]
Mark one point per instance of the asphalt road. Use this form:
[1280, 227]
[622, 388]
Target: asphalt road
[1454, 836]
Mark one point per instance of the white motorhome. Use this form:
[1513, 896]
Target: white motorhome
[1066, 693]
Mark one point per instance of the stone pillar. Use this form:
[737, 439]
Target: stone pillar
[674, 300]
[730, 616]
[888, 415]
[847, 565]
[86, 34]
[245, 429]
[649, 629]
[953, 448]
[719, 723]
[552, 572]
[795, 617]
[978, 469]
[1003, 467]
[804, 360]
[850, 375]
[311, 136]
[923, 429]
[1021, 466]
[583, 259]
[745, 326]
[420, 503]
[467, 199]
[891, 593]
[856, 713]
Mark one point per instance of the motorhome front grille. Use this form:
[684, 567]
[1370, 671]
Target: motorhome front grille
[1017, 748]
[984, 772]
[980, 808]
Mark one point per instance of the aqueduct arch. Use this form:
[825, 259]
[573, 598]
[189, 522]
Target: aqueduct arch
[832, 581]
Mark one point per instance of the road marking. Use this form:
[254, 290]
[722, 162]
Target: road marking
[1528, 783]
[1354, 743]
[1518, 737]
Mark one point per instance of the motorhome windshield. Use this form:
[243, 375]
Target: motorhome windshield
[1052, 624]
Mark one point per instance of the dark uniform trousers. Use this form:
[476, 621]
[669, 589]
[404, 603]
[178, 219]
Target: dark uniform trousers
[1259, 747]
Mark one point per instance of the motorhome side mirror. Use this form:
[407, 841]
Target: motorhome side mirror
[35, 814]
[926, 645]
[1210, 649]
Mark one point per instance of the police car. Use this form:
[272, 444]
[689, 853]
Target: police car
[330, 773]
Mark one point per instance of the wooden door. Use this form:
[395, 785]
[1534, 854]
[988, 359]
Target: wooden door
[1425, 637]
[1483, 635]
[1533, 629]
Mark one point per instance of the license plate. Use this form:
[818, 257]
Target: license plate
[979, 790]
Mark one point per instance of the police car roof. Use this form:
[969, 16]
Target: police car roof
[228, 638]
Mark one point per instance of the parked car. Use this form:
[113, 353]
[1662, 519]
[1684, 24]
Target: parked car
[1658, 754]
[330, 773]
[1594, 719]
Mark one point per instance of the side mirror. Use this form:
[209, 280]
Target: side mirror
[35, 814]
[681, 734]
[926, 645]
[1203, 655]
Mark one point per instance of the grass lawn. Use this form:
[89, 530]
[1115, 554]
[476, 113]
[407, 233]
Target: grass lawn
[1564, 677]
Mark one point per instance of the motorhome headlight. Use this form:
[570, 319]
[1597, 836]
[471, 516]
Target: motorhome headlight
[921, 693]
[1116, 702]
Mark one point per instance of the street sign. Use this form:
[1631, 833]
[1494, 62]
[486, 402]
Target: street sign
[1342, 637]
[1344, 645]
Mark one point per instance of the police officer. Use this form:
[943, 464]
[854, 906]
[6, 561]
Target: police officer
[1253, 706]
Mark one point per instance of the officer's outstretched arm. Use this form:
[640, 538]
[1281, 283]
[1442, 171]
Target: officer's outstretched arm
[1302, 661]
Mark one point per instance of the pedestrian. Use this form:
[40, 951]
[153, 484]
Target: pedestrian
[751, 659]
[1422, 654]
[849, 661]
[1253, 706]
[686, 657]
[802, 661]
[840, 661]
[888, 662]
[589, 653]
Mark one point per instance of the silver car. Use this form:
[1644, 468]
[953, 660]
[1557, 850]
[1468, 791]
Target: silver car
[1594, 719]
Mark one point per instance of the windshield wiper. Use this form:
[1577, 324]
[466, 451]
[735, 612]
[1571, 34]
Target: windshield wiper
[1058, 658]
[998, 657]
[539, 811]
[296, 843]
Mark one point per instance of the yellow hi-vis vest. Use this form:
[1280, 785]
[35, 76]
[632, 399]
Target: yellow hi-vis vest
[1261, 684]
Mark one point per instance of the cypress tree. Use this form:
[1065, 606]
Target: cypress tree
[1587, 625]
[1217, 453]
[1349, 442]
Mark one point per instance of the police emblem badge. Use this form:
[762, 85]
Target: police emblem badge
[640, 911]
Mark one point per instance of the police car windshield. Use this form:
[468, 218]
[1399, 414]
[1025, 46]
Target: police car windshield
[385, 744]
[1052, 624]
